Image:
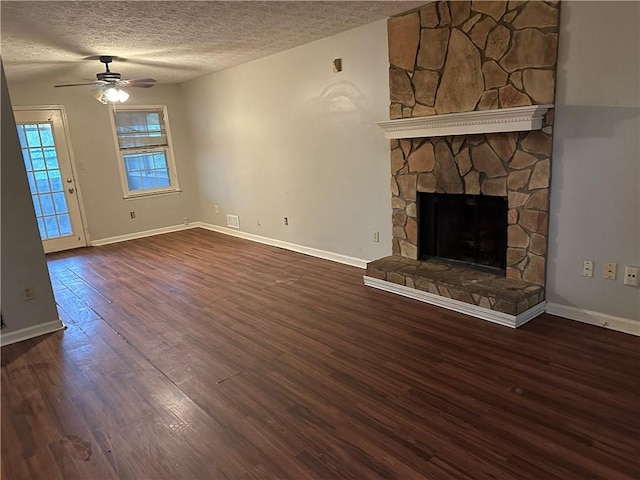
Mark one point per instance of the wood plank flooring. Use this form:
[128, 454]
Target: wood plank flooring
[194, 355]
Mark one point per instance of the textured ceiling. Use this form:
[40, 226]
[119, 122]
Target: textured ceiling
[171, 41]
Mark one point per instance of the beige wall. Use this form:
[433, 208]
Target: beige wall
[595, 193]
[96, 158]
[286, 137]
[22, 256]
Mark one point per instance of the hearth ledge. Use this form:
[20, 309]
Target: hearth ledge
[513, 321]
[516, 119]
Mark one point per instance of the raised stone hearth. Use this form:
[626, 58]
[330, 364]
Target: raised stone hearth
[465, 284]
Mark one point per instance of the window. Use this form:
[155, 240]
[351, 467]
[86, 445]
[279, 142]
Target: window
[144, 145]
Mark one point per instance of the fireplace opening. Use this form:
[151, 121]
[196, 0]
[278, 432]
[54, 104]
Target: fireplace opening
[465, 228]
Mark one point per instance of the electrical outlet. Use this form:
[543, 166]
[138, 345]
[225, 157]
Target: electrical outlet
[587, 268]
[216, 208]
[376, 237]
[286, 221]
[632, 276]
[28, 294]
[185, 220]
[609, 271]
[132, 214]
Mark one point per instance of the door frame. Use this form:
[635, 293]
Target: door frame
[72, 160]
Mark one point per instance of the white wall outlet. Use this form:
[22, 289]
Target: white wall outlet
[185, 220]
[376, 237]
[609, 271]
[587, 268]
[632, 276]
[216, 208]
[28, 294]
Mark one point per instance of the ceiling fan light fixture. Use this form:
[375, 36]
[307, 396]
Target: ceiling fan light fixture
[112, 95]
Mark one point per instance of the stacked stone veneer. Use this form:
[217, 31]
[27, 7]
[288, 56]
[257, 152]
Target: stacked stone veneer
[464, 56]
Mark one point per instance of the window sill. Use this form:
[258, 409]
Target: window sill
[137, 196]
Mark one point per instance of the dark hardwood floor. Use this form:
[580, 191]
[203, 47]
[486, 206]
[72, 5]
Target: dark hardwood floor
[195, 355]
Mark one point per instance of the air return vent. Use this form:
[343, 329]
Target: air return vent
[233, 221]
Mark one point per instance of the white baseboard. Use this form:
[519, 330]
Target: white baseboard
[30, 332]
[314, 252]
[513, 321]
[145, 233]
[619, 324]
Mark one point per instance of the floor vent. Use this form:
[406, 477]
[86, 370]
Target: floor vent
[233, 221]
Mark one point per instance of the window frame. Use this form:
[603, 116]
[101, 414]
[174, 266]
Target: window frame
[174, 186]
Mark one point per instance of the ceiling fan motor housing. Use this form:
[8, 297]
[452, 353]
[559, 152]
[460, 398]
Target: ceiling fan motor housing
[108, 76]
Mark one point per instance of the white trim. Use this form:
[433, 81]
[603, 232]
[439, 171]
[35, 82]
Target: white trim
[314, 252]
[611, 322]
[157, 193]
[145, 233]
[76, 177]
[514, 119]
[513, 321]
[30, 332]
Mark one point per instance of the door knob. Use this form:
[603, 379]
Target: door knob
[71, 189]
[69, 180]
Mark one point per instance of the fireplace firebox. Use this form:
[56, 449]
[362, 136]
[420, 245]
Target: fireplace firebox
[465, 228]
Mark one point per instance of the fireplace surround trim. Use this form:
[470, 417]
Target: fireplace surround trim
[514, 119]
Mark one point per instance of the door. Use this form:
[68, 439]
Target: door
[47, 159]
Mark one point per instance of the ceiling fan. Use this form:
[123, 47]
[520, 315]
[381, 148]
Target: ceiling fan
[110, 83]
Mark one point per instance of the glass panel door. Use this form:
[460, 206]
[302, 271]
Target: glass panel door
[45, 180]
[47, 162]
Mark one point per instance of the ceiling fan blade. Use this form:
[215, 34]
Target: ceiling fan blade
[97, 82]
[139, 82]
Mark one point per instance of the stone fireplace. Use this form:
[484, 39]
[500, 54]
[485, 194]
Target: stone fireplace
[471, 87]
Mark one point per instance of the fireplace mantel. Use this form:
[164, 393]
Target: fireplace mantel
[516, 119]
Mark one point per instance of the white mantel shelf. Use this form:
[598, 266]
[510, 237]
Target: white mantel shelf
[516, 119]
